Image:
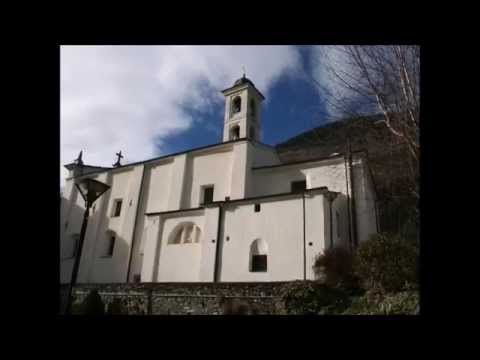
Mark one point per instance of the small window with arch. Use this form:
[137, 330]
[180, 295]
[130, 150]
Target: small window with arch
[236, 105]
[185, 233]
[258, 256]
[235, 132]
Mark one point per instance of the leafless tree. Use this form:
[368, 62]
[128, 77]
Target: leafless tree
[358, 81]
[382, 79]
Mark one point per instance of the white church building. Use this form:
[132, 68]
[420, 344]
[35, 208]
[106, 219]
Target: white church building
[228, 212]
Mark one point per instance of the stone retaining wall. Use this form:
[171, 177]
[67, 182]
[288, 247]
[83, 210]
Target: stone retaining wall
[189, 298]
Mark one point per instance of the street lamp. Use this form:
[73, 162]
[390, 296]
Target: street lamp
[90, 190]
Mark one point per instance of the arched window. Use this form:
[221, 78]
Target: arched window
[258, 256]
[252, 107]
[235, 132]
[236, 105]
[185, 233]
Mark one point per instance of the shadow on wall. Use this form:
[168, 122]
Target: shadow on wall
[105, 254]
[270, 183]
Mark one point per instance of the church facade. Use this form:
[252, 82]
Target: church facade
[228, 212]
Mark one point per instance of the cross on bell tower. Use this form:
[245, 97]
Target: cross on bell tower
[79, 160]
[119, 156]
[242, 110]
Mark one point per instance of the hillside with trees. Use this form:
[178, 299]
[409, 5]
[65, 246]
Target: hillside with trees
[388, 157]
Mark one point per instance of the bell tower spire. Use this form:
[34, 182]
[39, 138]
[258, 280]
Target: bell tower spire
[242, 110]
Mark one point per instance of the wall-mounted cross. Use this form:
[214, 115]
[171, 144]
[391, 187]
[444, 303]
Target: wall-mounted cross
[119, 156]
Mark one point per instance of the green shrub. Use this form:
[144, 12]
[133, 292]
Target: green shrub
[401, 303]
[305, 298]
[92, 304]
[387, 263]
[116, 307]
[335, 267]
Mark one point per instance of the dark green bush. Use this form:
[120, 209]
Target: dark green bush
[335, 267]
[306, 298]
[387, 263]
[116, 307]
[401, 303]
[92, 304]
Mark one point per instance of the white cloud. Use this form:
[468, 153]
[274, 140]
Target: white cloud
[130, 97]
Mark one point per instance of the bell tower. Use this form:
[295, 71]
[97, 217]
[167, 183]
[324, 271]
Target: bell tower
[242, 111]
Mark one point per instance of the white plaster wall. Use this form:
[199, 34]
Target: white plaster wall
[208, 168]
[279, 224]
[177, 180]
[342, 237]
[157, 186]
[209, 245]
[238, 118]
[263, 156]
[197, 169]
[331, 174]
[152, 248]
[125, 184]
[277, 180]
[229, 170]
[240, 168]
[154, 198]
[94, 230]
[66, 202]
[315, 230]
[255, 120]
[364, 200]
[243, 118]
[180, 262]
[71, 218]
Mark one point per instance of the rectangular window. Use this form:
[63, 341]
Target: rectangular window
[259, 263]
[117, 207]
[298, 186]
[208, 194]
[257, 207]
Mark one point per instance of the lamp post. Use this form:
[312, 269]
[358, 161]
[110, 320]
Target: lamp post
[90, 190]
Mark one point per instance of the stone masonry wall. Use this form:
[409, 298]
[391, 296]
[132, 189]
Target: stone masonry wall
[189, 298]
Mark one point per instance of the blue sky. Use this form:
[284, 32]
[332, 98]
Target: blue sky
[150, 101]
[293, 106]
